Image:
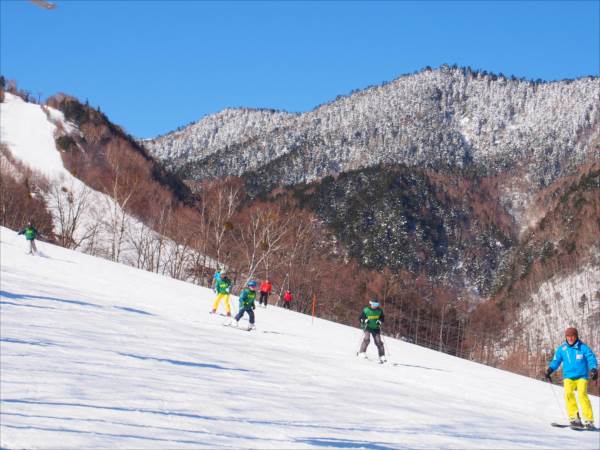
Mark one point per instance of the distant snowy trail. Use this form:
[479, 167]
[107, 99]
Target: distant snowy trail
[100, 355]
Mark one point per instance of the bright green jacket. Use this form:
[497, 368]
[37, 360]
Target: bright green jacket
[247, 299]
[371, 318]
[223, 286]
[29, 232]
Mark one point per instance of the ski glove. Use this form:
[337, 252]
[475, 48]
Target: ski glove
[594, 374]
[547, 374]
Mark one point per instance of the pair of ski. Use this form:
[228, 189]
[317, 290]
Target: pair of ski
[378, 361]
[573, 427]
[235, 326]
[231, 324]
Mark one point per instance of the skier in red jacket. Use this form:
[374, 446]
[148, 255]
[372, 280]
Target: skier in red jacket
[265, 290]
[287, 299]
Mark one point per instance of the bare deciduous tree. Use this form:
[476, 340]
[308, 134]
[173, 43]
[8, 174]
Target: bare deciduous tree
[223, 199]
[261, 237]
[69, 207]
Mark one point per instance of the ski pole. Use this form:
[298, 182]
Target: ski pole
[386, 348]
[362, 337]
[556, 399]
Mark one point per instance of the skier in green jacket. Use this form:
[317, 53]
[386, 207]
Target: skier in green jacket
[223, 287]
[247, 298]
[371, 319]
[30, 233]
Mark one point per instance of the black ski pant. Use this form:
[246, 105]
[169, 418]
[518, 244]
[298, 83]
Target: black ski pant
[264, 296]
[241, 313]
[376, 337]
[32, 247]
[287, 304]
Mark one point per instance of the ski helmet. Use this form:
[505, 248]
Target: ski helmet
[374, 303]
[571, 332]
[251, 283]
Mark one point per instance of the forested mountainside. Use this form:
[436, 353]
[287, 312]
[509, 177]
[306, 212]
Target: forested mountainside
[443, 117]
[447, 225]
[101, 151]
[449, 173]
[553, 275]
[462, 128]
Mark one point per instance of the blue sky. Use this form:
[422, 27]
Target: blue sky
[152, 66]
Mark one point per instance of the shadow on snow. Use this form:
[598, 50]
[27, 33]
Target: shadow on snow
[183, 363]
[344, 443]
[51, 299]
[418, 367]
[133, 310]
[21, 341]
[519, 438]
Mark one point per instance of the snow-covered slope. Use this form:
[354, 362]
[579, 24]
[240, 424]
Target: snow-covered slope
[101, 355]
[102, 227]
[29, 130]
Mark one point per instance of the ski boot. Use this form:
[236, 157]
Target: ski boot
[362, 355]
[589, 425]
[575, 422]
[382, 359]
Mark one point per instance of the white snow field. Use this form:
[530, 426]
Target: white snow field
[96, 354]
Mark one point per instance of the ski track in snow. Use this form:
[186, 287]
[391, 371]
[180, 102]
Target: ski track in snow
[96, 354]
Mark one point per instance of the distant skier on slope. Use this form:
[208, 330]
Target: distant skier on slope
[577, 359]
[265, 290]
[247, 298]
[287, 299]
[371, 319]
[30, 233]
[223, 287]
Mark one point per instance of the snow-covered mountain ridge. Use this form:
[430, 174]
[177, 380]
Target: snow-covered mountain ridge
[447, 116]
[116, 357]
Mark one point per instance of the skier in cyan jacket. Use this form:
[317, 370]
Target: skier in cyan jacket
[371, 319]
[223, 287]
[577, 360]
[247, 298]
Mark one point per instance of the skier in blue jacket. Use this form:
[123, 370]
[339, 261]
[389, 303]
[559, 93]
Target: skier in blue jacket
[577, 360]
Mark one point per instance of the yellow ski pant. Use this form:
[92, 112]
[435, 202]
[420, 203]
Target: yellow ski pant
[580, 385]
[218, 300]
